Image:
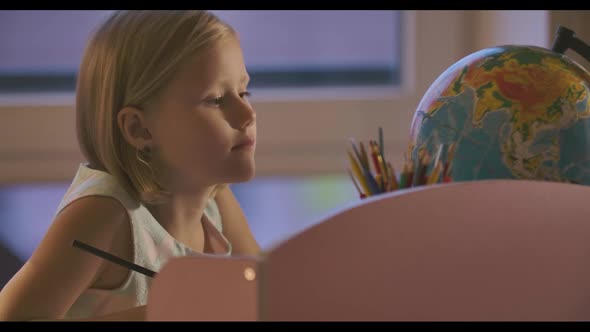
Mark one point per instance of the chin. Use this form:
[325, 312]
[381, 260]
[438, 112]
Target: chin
[242, 174]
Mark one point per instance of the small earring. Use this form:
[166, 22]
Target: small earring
[145, 151]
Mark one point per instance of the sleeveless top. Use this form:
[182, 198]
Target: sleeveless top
[153, 246]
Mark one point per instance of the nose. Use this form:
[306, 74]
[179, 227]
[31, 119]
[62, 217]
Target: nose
[242, 115]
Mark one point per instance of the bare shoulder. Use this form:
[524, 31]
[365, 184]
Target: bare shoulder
[235, 226]
[57, 273]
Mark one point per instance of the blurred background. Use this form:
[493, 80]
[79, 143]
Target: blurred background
[318, 78]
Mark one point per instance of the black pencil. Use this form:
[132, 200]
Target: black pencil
[113, 258]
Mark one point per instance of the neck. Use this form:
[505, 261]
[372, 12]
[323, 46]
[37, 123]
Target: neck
[182, 209]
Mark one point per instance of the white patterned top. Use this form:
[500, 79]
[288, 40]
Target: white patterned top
[153, 245]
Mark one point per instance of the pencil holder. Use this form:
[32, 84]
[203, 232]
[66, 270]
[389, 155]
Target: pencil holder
[372, 174]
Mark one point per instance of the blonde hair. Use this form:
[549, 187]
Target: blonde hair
[127, 62]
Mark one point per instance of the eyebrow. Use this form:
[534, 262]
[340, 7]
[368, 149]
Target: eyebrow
[244, 79]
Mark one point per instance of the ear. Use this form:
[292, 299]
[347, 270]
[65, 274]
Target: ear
[133, 127]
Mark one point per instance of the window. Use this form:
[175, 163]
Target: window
[302, 131]
[319, 48]
[42, 49]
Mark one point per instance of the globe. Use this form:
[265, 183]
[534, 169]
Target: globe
[512, 112]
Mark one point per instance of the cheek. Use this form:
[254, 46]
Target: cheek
[185, 143]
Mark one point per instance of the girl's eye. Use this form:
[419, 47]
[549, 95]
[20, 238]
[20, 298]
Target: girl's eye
[245, 94]
[216, 101]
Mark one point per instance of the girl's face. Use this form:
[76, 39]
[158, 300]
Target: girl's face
[203, 128]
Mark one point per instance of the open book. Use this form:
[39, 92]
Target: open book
[489, 250]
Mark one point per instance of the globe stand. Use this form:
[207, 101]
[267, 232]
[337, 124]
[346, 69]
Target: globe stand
[566, 39]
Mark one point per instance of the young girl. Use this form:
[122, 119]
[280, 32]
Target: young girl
[164, 121]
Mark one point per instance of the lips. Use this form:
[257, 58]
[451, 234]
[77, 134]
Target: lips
[243, 144]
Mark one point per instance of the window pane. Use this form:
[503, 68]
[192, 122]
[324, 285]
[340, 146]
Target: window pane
[315, 47]
[45, 41]
[41, 50]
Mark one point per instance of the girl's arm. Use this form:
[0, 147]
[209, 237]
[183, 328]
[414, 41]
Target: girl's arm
[235, 225]
[57, 273]
[133, 314]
